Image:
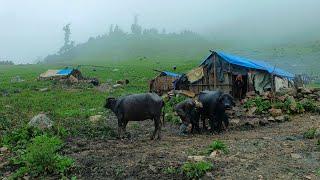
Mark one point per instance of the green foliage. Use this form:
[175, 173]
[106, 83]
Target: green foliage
[195, 170]
[262, 105]
[309, 105]
[119, 170]
[169, 108]
[41, 156]
[318, 172]
[171, 170]
[217, 145]
[310, 134]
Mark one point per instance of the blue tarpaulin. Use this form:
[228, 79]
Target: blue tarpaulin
[171, 74]
[65, 72]
[253, 64]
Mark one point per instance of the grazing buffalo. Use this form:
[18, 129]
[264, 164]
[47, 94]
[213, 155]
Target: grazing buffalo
[188, 113]
[214, 105]
[137, 107]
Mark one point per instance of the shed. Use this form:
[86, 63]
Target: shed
[163, 82]
[60, 74]
[221, 71]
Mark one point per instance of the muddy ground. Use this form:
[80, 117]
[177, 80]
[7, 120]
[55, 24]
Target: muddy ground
[273, 151]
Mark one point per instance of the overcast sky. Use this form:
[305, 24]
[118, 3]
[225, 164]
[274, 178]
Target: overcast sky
[32, 28]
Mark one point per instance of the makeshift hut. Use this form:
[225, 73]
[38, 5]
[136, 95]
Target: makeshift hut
[61, 74]
[234, 75]
[164, 82]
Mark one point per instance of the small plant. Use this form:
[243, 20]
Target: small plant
[41, 156]
[171, 170]
[262, 105]
[318, 172]
[217, 145]
[310, 134]
[195, 170]
[119, 170]
[309, 105]
[135, 126]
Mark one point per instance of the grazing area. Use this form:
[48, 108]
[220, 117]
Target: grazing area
[79, 138]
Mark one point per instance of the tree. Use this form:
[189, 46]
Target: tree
[136, 29]
[68, 44]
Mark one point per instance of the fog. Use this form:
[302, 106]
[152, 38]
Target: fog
[33, 28]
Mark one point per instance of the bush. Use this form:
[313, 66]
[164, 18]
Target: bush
[262, 105]
[196, 170]
[309, 105]
[217, 145]
[41, 157]
[310, 134]
[171, 170]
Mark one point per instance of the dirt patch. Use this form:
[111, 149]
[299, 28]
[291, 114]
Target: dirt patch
[273, 151]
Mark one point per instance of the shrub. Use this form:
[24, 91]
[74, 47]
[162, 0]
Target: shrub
[318, 172]
[309, 105]
[217, 145]
[310, 134]
[262, 105]
[41, 156]
[196, 170]
[171, 170]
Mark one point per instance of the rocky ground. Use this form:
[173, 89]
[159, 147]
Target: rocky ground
[257, 151]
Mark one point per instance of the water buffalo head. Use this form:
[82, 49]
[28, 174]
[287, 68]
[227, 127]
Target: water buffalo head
[110, 103]
[227, 101]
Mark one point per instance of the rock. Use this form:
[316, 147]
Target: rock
[296, 156]
[95, 119]
[4, 149]
[44, 89]
[267, 138]
[41, 121]
[260, 177]
[263, 122]
[282, 98]
[313, 117]
[293, 103]
[73, 79]
[317, 133]
[251, 111]
[196, 158]
[209, 175]
[214, 154]
[271, 119]
[117, 85]
[250, 93]
[304, 90]
[153, 169]
[275, 112]
[235, 122]
[280, 118]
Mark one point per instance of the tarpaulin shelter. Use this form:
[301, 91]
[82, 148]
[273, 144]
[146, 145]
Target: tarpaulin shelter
[60, 74]
[163, 82]
[221, 70]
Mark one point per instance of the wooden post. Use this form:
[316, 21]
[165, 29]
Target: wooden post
[214, 72]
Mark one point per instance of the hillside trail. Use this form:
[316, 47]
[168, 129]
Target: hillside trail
[274, 151]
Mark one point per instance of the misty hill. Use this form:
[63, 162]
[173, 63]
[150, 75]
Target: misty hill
[299, 57]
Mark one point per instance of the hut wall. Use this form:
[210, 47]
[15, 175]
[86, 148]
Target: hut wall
[163, 84]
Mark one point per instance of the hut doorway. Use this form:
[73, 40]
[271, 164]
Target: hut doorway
[240, 86]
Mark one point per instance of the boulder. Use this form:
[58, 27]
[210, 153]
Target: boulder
[271, 119]
[293, 103]
[95, 119]
[275, 112]
[214, 154]
[317, 133]
[280, 118]
[4, 149]
[41, 121]
[251, 111]
[196, 158]
[235, 122]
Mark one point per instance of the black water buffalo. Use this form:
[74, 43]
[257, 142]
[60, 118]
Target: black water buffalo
[188, 112]
[137, 107]
[214, 105]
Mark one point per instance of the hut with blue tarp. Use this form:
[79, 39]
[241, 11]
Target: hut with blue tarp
[61, 74]
[222, 71]
[163, 82]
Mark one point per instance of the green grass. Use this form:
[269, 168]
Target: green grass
[310, 134]
[216, 145]
[195, 170]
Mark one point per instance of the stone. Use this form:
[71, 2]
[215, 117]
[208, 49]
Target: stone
[235, 121]
[44, 89]
[296, 156]
[196, 158]
[267, 138]
[271, 119]
[117, 85]
[251, 111]
[73, 79]
[41, 121]
[293, 103]
[153, 169]
[317, 133]
[214, 154]
[4, 149]
[275, 112]
[263, 122]
[95, 119]
[280, 118]
[250, 93]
